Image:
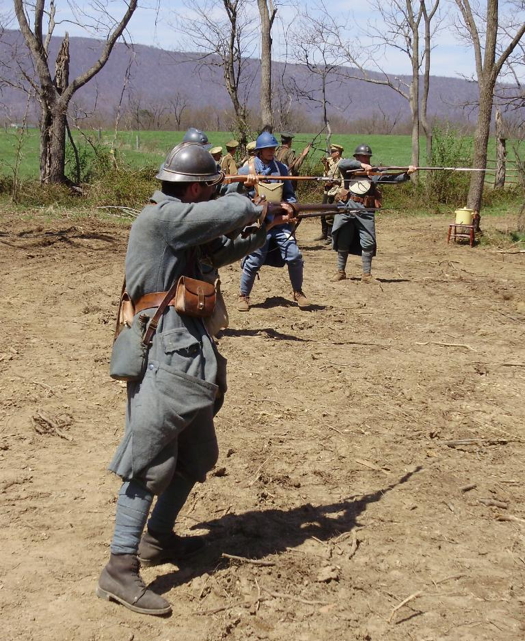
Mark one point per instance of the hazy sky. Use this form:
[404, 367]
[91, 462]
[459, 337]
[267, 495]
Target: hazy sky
[150, 25]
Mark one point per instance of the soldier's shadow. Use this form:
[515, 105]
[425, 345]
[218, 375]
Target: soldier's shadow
[274, 301]
[260, 533]
[279, 301]
[314, 247]
[269, 331]
[381, 280]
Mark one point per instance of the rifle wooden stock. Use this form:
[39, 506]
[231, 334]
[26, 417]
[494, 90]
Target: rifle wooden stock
[315, 210]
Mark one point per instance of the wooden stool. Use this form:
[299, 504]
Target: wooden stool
[456, 231]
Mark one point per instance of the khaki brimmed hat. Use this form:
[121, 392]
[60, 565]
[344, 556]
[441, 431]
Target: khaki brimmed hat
[251, 145]
[232, 144]
[337, 147]
[215, 150]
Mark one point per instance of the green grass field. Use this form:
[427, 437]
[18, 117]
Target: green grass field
[147, 148]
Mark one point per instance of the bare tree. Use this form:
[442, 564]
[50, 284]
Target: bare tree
[267, 13]
[178, 103]
[53, 89]
[407, 26]
[224, 35]
[429, 29]
[313, 46]
[494, 38]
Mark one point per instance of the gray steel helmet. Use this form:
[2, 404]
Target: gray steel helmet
[189, 162]
[196, 135]
[363, 150]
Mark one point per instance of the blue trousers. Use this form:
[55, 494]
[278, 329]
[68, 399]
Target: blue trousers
[280, 237]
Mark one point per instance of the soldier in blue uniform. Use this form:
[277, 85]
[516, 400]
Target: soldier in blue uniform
[281, 247]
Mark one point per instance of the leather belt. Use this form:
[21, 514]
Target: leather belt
[151, 300]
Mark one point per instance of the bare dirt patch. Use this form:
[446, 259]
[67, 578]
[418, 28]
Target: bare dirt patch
[371, 471]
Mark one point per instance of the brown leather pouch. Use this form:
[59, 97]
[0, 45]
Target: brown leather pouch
[126, 312]
[194, 297]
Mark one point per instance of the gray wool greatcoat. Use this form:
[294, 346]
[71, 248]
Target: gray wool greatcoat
[184, 370]
[356, 216]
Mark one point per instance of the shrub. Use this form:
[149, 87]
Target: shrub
[449, 149]
[91, 161]
[123, 187]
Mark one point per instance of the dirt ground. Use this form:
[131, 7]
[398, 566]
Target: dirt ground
[371, 468]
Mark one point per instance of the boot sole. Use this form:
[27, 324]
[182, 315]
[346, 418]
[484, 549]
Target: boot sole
[108, 596]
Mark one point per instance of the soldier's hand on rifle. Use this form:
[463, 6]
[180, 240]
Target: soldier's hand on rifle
[366, 167]
[251, 180]
[411, 169]
[279, 214]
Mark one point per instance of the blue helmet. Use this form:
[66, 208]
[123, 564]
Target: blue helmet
[196, 135]
[265, 140]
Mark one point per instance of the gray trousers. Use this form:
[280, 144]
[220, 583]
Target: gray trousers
[171, 476]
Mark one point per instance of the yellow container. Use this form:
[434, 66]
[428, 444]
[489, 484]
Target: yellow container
[464, 216]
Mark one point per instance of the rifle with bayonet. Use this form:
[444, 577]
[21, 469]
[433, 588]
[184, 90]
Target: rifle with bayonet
[382, 170]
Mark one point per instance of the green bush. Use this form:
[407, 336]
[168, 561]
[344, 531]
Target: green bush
[123, 187]
[91, 161]
[32, 193]
[449, 149]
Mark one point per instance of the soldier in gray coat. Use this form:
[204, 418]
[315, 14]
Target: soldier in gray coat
[354, 230]
[169, 442]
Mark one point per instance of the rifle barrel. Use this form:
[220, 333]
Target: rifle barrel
[244, 177]
[381, 170]
[452, 169]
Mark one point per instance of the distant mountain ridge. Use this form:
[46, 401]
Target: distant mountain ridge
[153, 75]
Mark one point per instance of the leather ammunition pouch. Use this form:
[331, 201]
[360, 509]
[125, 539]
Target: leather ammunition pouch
[194, 297]
[369, 201]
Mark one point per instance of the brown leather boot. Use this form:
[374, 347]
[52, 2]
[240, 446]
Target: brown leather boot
[120, 581]
[301, 299]
[155, 549]
[244, 303]
[367, 278]
[340, 275]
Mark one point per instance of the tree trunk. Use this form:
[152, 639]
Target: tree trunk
[414, 86]
[52, 146]
[266, 65]
[414, 109]
[427, 48]
[479, 161]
